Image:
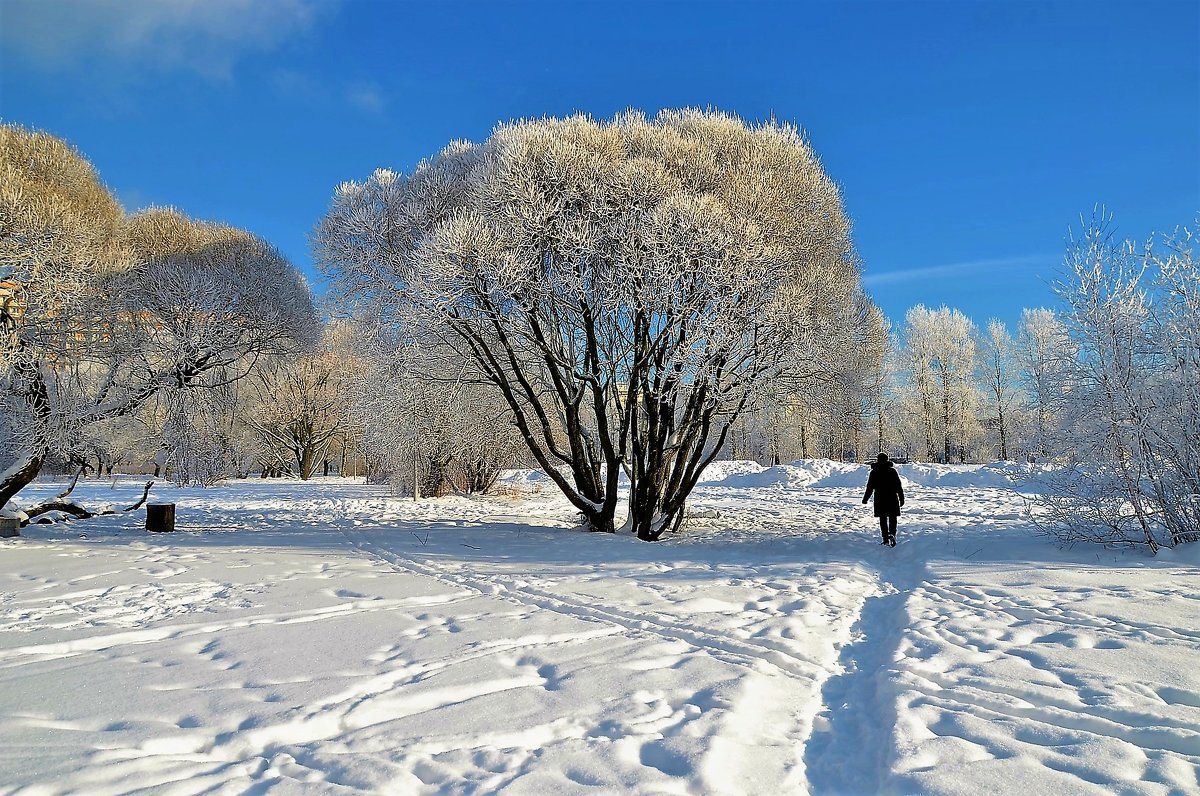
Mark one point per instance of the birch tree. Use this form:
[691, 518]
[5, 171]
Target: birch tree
[940, 355]
[918, 360]
[1044, 352]
[627, 286]
[999, 371]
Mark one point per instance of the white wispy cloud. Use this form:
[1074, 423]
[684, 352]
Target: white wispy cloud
[315, 89]
[203, 36]
[366, 97]
[965, 268]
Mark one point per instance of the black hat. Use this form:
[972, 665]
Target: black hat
[881, 458]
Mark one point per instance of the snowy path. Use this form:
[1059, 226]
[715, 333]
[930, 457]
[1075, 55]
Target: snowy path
[850, 751]
[325, 638]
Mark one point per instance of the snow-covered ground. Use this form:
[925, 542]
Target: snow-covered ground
[327, 638]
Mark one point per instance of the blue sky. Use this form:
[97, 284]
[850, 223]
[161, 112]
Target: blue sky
[967, 136]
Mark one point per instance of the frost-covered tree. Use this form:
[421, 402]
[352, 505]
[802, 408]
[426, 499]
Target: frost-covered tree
[429, 419]
[298, 408]
[940, 360]
[628, 286]
[883, 400]
[917, 356]
[954, 368]
[196, 435]
[99, 313]
[1175, 333]
[863, 376]
[1044, 351]
[1129, 403]
[124, 441]
[1000, 376]
[826, 414]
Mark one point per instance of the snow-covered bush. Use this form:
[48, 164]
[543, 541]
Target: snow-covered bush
[1131, 397]
[428, 419]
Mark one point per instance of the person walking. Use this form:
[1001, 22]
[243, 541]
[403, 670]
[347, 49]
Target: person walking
[884, 482]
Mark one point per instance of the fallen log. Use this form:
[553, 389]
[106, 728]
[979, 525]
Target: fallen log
[74, 509]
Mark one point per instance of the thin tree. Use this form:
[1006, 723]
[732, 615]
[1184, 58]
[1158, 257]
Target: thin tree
[1044, 353]
[999, 370]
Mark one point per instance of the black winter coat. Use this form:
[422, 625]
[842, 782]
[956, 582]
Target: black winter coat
[884, 481]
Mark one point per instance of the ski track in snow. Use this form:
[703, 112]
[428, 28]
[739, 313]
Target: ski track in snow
[326, 638]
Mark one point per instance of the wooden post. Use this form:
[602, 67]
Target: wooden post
[160, 517]
[9, 527]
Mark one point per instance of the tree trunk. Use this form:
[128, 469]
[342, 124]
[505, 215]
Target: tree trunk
[19, 478]
[1003, 439]
[306, 462]
[160, 517]
[946, 422]
[648, 526]
[880, 416]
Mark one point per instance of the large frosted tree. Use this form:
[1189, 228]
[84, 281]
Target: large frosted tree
[99, 312]
[627, 286]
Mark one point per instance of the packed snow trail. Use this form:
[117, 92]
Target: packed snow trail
[327, 638]
[850, 750]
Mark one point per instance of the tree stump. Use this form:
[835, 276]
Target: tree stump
[160, 517]
[9, 527]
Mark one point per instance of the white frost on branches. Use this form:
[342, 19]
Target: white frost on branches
[1130, 398]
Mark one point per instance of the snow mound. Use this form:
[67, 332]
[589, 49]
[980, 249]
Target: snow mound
[1188, 553]
[797, 475]
[522, 477]
[828, 474]
[778, 476]
[719, 471]
[1003, 475]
